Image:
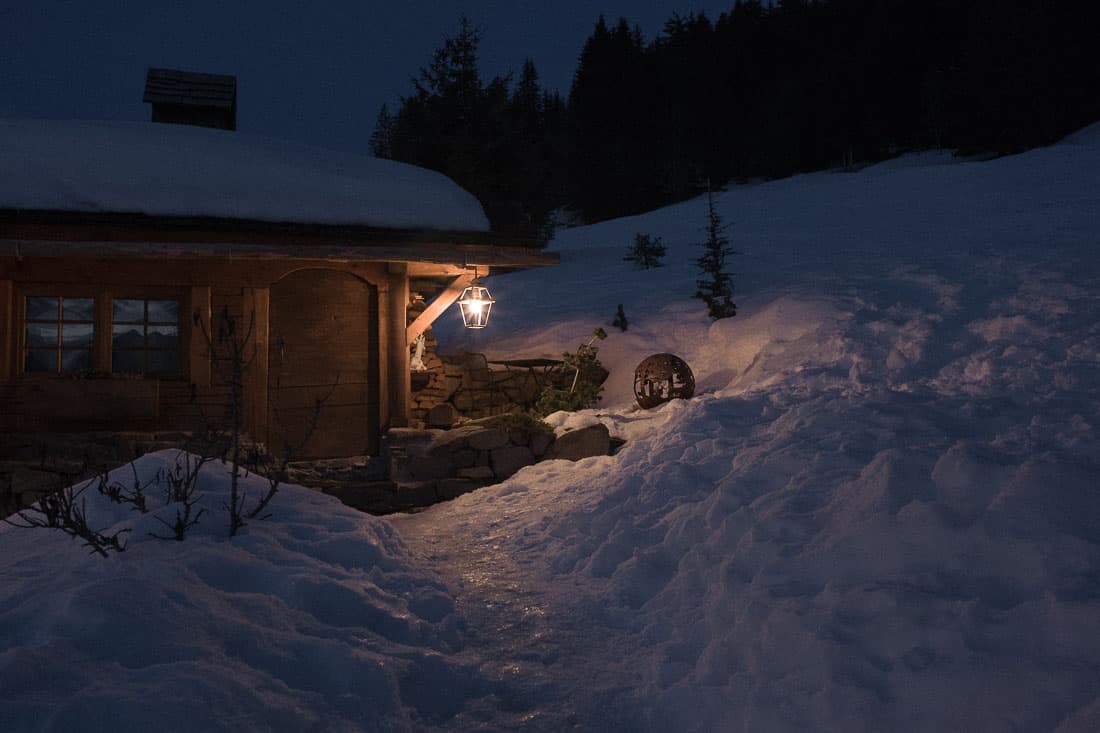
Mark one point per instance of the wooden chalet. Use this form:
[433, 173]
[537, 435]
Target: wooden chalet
[121, 247]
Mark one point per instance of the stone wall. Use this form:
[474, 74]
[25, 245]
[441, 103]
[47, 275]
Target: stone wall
[416, 468]
[34, 464]
[471, 386]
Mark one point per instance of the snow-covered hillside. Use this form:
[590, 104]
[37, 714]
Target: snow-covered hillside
[881, 511]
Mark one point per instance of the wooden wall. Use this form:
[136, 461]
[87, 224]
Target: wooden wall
[206, 288]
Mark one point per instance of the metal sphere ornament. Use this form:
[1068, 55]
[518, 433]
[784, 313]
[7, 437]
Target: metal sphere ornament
[661, 378]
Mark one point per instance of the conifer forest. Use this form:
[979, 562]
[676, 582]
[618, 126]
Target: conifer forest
[763, 91]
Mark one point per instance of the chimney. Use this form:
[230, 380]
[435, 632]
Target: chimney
[191, 98]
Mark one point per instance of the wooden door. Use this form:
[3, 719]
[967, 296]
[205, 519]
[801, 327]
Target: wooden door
[323, 348]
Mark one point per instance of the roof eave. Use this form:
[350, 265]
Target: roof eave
[60, 233]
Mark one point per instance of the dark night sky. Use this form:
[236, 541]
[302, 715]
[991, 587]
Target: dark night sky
[310, 71]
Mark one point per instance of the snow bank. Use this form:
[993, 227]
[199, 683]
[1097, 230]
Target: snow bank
[314, 619]
[880, 512]
[178, 170]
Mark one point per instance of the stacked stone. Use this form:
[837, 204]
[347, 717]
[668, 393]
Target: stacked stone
[434, 465]
[427, 386]
[33, 465]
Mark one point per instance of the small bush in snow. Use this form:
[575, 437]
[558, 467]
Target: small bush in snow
[586, 387]
[620, 321]
[646, 252]
[67, 510]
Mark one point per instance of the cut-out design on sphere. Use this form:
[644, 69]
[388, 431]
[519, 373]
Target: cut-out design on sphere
[661, 378]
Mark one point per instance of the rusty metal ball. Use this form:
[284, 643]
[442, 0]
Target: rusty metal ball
[661, 378]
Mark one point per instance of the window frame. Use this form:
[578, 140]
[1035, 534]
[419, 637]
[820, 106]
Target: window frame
[49, 291]
[102, 326]
[145, 323]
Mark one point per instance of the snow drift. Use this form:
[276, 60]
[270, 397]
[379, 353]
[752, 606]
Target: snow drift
[879, 512]
[314, 619]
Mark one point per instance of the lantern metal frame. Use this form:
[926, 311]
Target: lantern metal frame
[661, 378]
[475, 304]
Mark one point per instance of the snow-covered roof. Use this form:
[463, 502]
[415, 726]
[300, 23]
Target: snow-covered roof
[176, 170]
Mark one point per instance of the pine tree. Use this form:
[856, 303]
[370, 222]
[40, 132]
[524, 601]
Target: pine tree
[646, 252]
[620, 321]
[715, 285]
[381, 140]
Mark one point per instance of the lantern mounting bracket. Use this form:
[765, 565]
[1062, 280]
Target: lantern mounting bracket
[440, 303]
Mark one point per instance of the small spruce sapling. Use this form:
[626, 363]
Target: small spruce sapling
[583, 391]
[715, 285]
[646, 252]
[620, 321]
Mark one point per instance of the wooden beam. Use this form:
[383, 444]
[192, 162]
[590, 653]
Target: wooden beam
[435, 309]
[134, 227]
[257, 311]
[442, 253]
[102, 345]
[397, 348]
[200, 331]
[7, 343]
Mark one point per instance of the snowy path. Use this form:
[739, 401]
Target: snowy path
[523, 633]
[882, 494]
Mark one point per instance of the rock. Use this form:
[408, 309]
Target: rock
[586, 442]
[451, 488]
[464, 458]
[416, 494]
[540, 442]
[488, 439]
[449, 441]
[509, 459]
[427, 468]
[441, 416]
[476, 473]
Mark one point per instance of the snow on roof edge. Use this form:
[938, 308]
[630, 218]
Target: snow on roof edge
[177, 170]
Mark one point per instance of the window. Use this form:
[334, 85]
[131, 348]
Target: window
[59, 334]
[145, 337]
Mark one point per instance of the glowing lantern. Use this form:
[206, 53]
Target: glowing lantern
[475, 304]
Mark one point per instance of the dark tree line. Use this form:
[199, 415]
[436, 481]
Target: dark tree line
[762, 92]
[495, 138]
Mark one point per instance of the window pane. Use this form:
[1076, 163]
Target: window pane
[164, 311]
[40, 360]
[163, 337]
[41, 309]
[128, 362]
[128, 311]
[127, 337]
[41, 334]
[76, 359]
[164, 363]
[78, 309]
[80, 335]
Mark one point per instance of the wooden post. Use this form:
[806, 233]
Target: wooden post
[198, 347]
[397, 348]
[101, 350]
[7, 326]
[257, 310]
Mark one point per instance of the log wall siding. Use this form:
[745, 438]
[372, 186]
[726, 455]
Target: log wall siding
[204, 286]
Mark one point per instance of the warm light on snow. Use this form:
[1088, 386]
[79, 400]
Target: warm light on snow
[878, 512]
